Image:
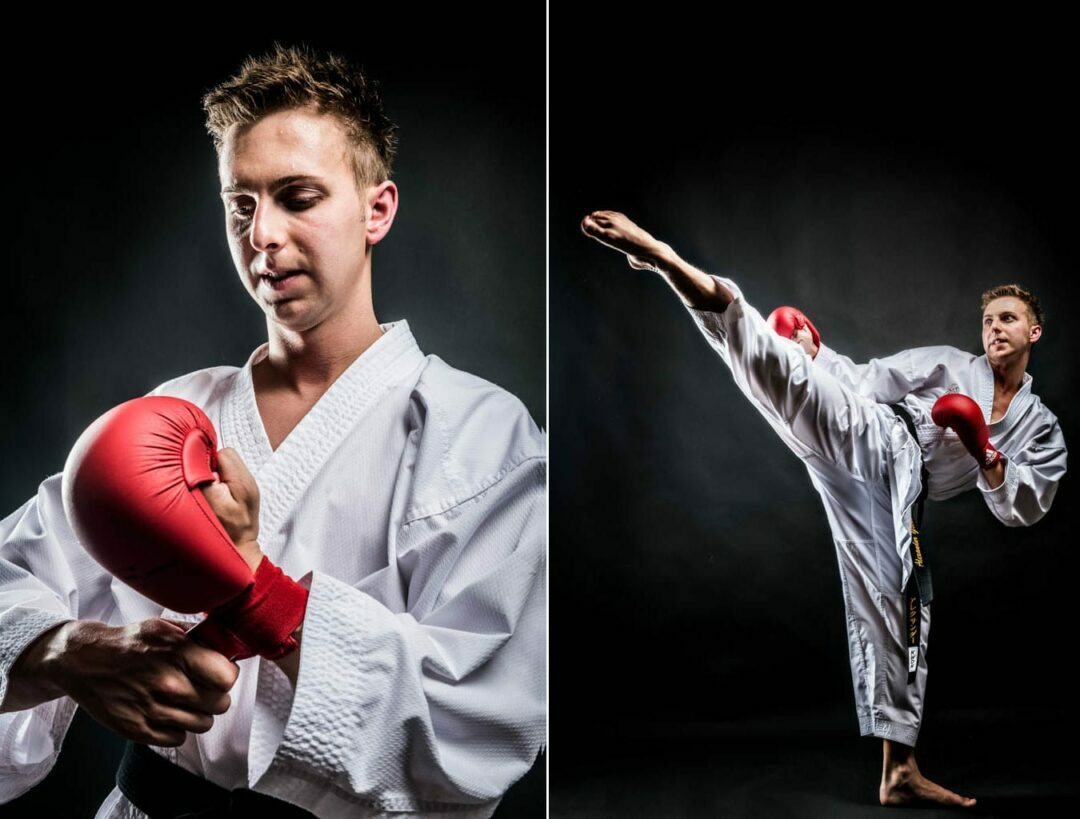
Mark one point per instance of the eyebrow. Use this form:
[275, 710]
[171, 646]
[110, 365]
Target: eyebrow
[278, 183]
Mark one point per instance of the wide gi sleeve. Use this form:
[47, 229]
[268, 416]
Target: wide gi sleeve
[436, 707]
[1032, 473]
[46, 578]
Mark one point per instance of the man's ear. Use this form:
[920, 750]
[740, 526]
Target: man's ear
[1036, 333]
[382, 202]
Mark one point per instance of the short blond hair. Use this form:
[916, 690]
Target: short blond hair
[1030, 300]
[291, 77]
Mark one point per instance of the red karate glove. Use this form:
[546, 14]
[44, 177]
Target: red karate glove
[130, 490]
[962, 415]
[787, 321]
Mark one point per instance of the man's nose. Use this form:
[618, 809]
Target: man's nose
[267, 227]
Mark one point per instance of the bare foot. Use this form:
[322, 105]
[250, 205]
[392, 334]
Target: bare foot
[615, 230]
[903, 784]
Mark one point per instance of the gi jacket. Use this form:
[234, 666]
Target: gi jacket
[411, 501]
[1028, 435]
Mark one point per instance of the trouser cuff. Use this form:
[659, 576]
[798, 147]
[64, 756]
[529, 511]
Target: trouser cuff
[885, 729]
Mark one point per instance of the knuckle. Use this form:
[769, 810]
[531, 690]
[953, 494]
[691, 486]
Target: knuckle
[170, 685]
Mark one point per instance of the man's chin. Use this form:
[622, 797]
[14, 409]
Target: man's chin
[291, 316]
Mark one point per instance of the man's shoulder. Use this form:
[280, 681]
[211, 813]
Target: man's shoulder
[942, 352]
[473, 429]
[1042, 412]
[200, 387]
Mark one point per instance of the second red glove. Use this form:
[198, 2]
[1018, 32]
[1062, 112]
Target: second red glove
[787, 321]
[962, 415]
[130, 491]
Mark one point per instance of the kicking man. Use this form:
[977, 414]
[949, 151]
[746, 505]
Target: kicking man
[877, 439]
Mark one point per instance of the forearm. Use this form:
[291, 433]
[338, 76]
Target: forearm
[698, 290]
[30, 682]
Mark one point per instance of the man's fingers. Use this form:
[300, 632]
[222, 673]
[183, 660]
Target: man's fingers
[233, 470]
[168, 718]
[209, 669]
[180, 691]
[215, 702]
[218, 495]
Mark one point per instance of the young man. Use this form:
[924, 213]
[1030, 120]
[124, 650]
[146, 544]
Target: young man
[867, 467]
[407, 496]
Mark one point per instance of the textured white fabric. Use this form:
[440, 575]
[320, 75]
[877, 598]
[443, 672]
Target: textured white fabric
[865, 466]
[411, 501]
[1028, 434]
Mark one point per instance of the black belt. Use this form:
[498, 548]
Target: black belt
[919, 591]
[162, 790]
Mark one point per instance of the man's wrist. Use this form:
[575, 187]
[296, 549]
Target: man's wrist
[252, 554]
[35, 676]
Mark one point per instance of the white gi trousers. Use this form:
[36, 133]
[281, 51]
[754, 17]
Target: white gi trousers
[850, 447]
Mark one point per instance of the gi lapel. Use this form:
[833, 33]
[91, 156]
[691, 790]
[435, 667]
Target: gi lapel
[285, 473]
[984, 389]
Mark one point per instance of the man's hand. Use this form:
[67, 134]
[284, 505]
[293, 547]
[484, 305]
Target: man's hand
[964, 417]
[235, 500]
[147, 681]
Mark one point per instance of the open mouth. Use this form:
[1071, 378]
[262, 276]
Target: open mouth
[282, 280]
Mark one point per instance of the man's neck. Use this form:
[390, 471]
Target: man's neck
[1009, 375]
[310, 361]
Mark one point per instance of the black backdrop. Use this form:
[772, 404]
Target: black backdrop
[881, 186]
[118, 272]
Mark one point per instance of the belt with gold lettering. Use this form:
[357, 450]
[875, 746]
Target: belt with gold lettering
[919, 591]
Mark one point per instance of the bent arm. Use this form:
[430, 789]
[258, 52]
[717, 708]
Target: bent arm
[46, 579]
[436, 707]
[1030, 479]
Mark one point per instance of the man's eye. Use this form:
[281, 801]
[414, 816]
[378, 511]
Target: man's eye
[302, 203]
[240, 211]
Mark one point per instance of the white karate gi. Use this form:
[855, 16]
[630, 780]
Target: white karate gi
[410, 500]
[865, 466]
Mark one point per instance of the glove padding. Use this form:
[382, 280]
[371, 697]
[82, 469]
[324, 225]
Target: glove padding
[786, 321]
[962, 415]
[130, 492]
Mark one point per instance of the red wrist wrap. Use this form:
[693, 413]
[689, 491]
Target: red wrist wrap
[262, 619]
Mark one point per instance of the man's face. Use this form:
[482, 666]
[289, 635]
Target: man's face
[294, 218]
[1007, 331]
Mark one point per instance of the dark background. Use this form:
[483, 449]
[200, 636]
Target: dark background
[699, 660]
[118, 271]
